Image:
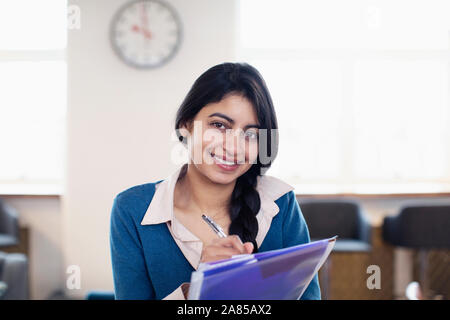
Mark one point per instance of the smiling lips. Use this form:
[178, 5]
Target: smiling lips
[223, 164]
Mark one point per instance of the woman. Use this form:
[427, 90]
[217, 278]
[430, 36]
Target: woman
[158, 238]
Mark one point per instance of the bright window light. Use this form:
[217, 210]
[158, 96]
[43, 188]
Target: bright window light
[361, 90]
[33, 24]
[33, 97]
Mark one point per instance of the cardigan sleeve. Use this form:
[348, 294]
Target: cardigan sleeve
[295, 232]
[131, 280]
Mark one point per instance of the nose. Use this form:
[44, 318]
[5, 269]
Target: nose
[234, 147]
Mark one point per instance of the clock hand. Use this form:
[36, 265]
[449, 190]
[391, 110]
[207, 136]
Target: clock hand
[137, 29]
[144, 22]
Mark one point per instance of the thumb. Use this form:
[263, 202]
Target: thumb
[248, 247]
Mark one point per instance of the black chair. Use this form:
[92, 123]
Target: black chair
[421, 228]
[14, 276]
[342, 218]
[9, 226]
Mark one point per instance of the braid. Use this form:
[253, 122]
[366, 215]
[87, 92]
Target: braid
[244, 206]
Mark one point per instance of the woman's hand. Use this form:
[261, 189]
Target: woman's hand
[224, 248]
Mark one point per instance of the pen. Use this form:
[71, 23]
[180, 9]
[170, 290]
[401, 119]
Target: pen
[216, 228]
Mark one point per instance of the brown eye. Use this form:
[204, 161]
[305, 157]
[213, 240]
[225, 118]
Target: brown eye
[218, 125]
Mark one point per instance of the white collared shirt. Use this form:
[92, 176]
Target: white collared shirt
[161, 210]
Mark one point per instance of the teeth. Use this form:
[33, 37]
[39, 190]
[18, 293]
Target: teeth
[224, 162]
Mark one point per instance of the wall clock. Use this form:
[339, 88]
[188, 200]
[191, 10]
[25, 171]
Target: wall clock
[146, 33]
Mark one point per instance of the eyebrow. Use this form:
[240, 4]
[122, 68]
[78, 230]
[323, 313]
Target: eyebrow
[221, 115]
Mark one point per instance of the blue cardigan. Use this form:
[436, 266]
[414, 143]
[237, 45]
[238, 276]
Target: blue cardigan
[148, 264]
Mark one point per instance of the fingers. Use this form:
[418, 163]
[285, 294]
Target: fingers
[220, 257]
[227, 251]
[248, 247]
[225, 248]
[231, 241]
[215, 252]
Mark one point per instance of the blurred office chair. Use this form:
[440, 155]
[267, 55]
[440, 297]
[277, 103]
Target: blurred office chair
[344, 218]
[422, 228]
[9, 226]
[3, 287]
[14, 276]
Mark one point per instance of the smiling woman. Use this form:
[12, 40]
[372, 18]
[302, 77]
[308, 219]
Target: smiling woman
[158, 236]
[229, 98]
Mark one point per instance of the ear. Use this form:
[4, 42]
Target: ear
[184, 131]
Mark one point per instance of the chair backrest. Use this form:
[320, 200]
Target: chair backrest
[8, 220]
[326, 218]
[2, 263]
[15, 274]
[419, 227]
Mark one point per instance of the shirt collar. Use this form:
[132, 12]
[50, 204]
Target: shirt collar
[160, 209]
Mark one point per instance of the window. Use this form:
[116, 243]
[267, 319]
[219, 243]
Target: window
[360, 88]
[33, 94]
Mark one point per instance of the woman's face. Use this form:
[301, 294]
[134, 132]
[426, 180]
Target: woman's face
[223, 142]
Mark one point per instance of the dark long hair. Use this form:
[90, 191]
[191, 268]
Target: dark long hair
[211, 87]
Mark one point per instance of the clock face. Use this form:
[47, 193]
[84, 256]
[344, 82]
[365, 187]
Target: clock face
[146, 33]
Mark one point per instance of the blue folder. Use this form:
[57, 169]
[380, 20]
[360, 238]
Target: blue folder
[282, 274]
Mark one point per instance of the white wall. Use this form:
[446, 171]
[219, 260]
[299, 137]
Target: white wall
[120, 120]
